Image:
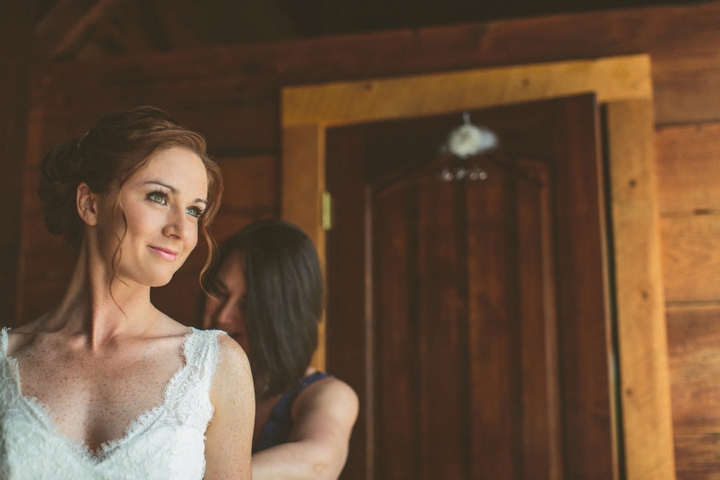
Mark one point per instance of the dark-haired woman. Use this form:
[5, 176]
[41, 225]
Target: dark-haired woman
[105, 386]
[267, 293]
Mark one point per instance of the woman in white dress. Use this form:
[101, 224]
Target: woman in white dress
[105, 385]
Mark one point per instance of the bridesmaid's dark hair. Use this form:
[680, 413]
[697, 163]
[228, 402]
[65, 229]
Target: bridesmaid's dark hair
[284, 301]
[107, 156]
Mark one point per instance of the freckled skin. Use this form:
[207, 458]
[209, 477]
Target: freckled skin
[120, 385]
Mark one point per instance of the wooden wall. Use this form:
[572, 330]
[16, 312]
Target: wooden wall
[689, 196]
[232, 95]
[15, 34]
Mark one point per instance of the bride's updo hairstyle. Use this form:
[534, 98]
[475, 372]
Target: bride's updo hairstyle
[107, 156]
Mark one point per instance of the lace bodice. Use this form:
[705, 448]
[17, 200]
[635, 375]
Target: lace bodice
[166, 442]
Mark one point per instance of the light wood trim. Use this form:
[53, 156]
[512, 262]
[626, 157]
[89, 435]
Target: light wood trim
[643, 348]
[625, 83]
[333, 104]
[303, 183]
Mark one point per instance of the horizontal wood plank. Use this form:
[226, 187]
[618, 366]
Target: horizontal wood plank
[343, 103]
[694, 351]
[688, 168]
[697, 457]
[691, 258]
[237, 130]
[682, 41]
[227, 224]
[252, 184]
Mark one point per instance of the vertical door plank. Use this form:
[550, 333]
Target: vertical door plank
[541, 415]
[493, 339]
[589, 438]
[347, 354]
[395, 292]
[442, 318]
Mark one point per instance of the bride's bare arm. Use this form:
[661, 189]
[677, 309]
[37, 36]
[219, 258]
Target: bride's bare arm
[228, 444]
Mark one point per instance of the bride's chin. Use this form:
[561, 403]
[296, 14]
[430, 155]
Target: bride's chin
[160, 280]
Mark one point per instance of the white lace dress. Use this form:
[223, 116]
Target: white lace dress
[167, 442]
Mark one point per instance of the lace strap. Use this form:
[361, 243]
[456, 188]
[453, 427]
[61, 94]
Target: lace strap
[4, 341]
[202, 349]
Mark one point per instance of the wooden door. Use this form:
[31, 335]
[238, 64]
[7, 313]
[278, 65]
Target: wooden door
[472, 316]
[466, 324]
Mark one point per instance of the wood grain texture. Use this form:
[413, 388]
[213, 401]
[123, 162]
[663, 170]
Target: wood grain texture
[302, 185]
[691, 258]
[495, 338]
[577, 211]
[682, 41]
[612, 79]
[643, 357]
[442, 319]
[688, 168]
[590, 441]
[397, 433]
[63, 29]
[15, 34]
[542, 440]
[227, 224]
[252, 184]
[697, 456]
[693, 343]
[349, 347]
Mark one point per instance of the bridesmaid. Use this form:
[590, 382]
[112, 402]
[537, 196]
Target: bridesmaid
[267, 293]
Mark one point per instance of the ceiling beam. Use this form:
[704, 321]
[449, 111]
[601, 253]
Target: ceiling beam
[62, 30]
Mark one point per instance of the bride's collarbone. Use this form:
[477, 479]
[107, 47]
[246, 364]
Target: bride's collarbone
[93, 398]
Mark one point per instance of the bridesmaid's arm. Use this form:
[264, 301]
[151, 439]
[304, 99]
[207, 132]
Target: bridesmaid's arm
[323, 418]
[228, 443]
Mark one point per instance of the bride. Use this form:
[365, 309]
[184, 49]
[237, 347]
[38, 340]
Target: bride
[104, 385]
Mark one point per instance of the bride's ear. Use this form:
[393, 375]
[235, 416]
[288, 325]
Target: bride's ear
[87, 204]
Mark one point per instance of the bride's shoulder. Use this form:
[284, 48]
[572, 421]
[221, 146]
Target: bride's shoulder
[38, 325]
[230, 351]
[15, 339]
[233, 367]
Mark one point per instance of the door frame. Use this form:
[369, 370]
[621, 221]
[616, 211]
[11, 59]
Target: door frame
[623, 87]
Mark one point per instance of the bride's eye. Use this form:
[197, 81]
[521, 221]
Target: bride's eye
[195, 211]
[158, 197]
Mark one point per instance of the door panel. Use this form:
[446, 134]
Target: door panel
[442, 323]
[476, 357]
[397, 346]
[486, 314]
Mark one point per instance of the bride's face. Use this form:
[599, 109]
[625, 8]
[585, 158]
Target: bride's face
[161, 204]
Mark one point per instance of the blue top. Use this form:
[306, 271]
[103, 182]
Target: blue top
[277, 429]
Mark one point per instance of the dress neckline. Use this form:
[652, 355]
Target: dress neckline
[43, 413]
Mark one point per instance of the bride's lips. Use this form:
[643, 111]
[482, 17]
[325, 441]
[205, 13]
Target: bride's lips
[165, 253]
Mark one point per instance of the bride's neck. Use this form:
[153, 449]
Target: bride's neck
[99, 304]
